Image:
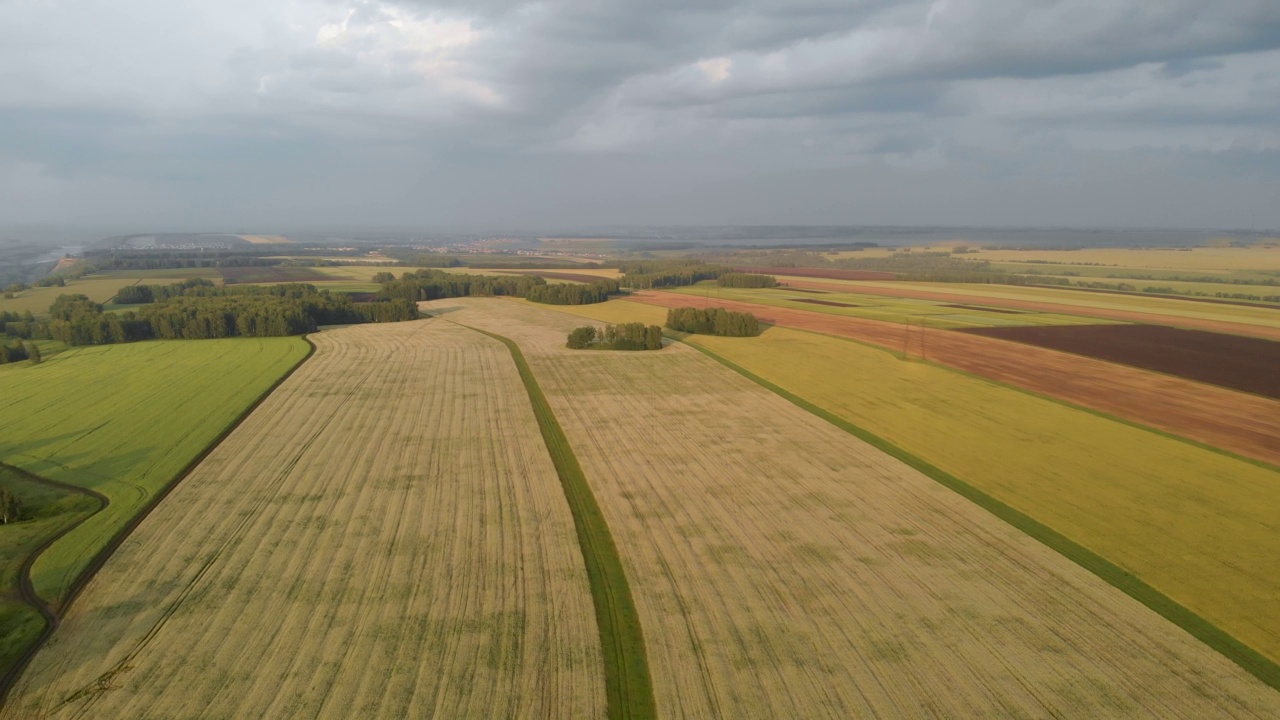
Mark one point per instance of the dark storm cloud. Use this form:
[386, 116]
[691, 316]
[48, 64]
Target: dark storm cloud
[400, 111]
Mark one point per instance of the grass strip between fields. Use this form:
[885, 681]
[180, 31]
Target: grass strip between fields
[1255, 663]
[53, 616]
[628, 684]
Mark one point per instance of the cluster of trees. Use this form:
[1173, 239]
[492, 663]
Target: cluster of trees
[436, 284]
[10, 508]
[627, 336]
[429, 284]
[713, 321]
[19, 351]
[198, 310]
[574, 293]
[747, 280]
[138, 294]
[645, 274]
[153, 260]
[18, 325]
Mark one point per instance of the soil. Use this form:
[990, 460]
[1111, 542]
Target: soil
[1239, 422]
[1231, 361]
[828, 273]
[979, 308]
[832, 303]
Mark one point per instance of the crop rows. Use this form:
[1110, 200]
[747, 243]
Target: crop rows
[385, 536]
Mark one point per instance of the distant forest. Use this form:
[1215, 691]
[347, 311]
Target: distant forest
[197, 309]
[434, 284]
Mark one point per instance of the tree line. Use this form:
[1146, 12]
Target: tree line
[15, 352]
[626, 336]
[713, 321]
[747, 280]
[647, 274]
[429, 284]
[201, 310]
[573, 293]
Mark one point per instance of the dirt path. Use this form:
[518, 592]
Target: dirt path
[1261, 331]
[26, 590]
[1238, 422]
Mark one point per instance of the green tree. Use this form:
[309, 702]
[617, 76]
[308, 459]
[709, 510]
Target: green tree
[10, 507]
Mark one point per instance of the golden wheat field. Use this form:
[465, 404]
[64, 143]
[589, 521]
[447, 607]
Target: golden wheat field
[783, 568]
[384, 537]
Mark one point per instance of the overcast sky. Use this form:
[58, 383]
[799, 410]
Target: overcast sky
[261, 114]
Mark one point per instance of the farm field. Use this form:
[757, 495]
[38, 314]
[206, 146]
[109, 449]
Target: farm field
[384, 537]
[783, 568]
[273, 274]
[1246, 424]
[1258, 321]
[1253, 259]
[1201, 527]
[1231, 361]
[45, 511]
[931, 313]
[124, 420]
[38, 299]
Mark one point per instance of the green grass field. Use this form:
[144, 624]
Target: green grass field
[878, 307]
[125, 420]
[1200, 527]
[45, 511]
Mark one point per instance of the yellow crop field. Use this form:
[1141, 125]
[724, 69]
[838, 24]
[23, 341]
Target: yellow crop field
[38, 299]
[1201, 527]
[384, 537]
[1209, 259]
[784, 568]
[1170, 307]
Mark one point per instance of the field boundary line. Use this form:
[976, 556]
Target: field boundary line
[26, 590]
[1033, 393]
[1252, 661]
[628, 683]
[121, 535]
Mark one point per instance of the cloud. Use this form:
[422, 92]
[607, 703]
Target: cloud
[369, 106]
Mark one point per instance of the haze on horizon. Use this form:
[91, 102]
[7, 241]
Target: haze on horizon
[236, 113]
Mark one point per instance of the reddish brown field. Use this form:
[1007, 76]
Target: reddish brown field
[1235, 421]
[820, 273]
[1231, 361]
[271, 275]
[1107, 313]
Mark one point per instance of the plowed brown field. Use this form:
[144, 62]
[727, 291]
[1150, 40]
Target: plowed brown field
[1222, 326]
[1230, 361]
[1235, 421]
[782, 568]
[384, 537]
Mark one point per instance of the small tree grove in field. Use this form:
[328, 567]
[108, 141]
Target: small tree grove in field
[747, 280]
[10, 508]
[713, 321]
[627, 336]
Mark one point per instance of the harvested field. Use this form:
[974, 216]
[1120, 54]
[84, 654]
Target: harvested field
[830, 303]
[782, 568]
[979, 308]
[274, 274]
[1255, 321]
[384, 537]
[1230, 361]
[819, 273]
[1238, 422]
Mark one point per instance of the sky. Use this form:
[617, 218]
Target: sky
[255, 115]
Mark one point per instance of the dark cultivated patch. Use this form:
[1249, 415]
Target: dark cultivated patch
[827, 273]
[803, 290]
[1230, 361]
[815, 301]
[986, 309]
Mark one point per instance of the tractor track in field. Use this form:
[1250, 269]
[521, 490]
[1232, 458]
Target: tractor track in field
[25, 587]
